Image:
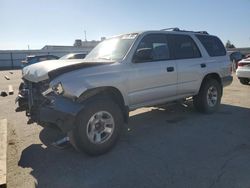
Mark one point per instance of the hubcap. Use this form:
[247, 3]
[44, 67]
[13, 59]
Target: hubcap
[100, 127]
[212, 96]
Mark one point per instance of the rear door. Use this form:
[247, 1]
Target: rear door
[189, 64]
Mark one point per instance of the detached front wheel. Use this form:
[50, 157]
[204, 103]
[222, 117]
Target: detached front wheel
[97, 127]
[209, 96]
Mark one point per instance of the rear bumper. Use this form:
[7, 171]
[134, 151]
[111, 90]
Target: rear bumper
[243, 73]
[227, 80]
[61, 111]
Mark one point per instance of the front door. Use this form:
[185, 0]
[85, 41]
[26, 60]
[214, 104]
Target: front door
[154, 78]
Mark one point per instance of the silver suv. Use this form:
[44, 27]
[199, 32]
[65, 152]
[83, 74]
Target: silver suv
[90, 99]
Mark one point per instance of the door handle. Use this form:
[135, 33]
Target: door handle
[170, 69]
[203, 65]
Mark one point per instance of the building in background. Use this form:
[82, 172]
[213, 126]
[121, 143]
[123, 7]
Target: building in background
[11, 59]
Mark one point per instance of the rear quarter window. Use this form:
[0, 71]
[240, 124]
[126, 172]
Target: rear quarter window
[212, 44]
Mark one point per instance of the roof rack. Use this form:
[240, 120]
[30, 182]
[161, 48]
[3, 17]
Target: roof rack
[177, 29]
[171, 28]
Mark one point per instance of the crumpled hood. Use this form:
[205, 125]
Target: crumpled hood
[52, 68]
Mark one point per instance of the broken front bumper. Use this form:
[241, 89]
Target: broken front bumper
[22, 98]
[60, 111]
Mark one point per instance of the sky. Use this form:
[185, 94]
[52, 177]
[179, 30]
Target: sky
[36, 23]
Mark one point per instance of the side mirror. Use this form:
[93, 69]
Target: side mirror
[143, 55]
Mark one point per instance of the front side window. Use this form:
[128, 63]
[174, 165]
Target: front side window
[185, 47]
[31, 60]
[153, 47]
[213, 45]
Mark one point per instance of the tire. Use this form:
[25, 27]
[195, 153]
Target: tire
[51, 126]
[22, 103]
[209, 96]
[97, 127]
[21, 86]
[244, 81]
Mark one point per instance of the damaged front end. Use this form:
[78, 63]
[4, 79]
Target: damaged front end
[24, 91]
[46, 105]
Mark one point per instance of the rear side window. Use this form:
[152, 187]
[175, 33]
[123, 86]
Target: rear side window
[213, 45]
[80, 56]
[42, 59]
[184, 47]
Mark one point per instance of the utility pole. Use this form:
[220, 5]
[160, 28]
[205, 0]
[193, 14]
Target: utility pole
[85, 35]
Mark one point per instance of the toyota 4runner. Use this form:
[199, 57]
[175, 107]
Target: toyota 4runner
[90, 99]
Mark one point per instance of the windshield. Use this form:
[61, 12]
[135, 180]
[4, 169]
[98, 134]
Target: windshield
[112, 49]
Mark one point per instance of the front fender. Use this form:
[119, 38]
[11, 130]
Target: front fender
[77, 83]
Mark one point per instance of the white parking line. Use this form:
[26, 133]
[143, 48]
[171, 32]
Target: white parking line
[3, 151]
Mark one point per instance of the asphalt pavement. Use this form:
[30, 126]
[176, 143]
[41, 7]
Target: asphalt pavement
[174, 146]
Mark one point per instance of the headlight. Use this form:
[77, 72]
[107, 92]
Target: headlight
[58, 89]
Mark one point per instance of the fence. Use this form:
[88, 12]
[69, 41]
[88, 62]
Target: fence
[11, 59]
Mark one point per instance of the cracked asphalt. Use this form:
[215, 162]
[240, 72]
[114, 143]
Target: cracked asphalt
[172, 146]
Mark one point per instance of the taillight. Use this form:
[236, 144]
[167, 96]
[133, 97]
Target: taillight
[242, 64]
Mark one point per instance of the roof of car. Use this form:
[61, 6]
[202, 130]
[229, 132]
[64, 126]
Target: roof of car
[30, 56]
[157, 31]
[77, 53]
[177, 32]
[167, 30]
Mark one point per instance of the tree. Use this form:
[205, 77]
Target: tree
[229, 44]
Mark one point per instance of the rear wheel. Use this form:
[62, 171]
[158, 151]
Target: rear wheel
[209, 96]
[244, 81]
[97, 127]
[22, 103]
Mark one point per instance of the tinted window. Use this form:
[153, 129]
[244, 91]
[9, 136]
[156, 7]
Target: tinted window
[42, 59]
[80, 56]
[213, 45]
[51, 57]
[158, 44]
[184, 47]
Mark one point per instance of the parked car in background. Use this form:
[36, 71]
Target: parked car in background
[74, 56]
[31, 59]
[243, 71]
[235, 57]
[246, 56]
